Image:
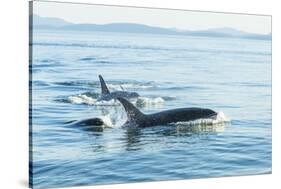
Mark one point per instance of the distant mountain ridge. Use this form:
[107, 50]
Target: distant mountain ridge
[60, 24]
[50, 22]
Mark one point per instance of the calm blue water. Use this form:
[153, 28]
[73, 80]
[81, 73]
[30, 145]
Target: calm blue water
[232, 76]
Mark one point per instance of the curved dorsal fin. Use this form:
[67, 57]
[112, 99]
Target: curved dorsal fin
[104, 89]
[133, 113]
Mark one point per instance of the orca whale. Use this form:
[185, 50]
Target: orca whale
[87, 122]
[90, 124]
[136, 118]
[107, 95]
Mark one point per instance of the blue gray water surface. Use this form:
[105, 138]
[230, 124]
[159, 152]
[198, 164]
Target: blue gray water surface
[229, 75]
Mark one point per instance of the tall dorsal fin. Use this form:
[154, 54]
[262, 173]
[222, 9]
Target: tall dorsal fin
[104, 89]
[133, 113]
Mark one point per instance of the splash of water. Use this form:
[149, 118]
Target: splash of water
[146, 101]
[218, 119]
[91, 100]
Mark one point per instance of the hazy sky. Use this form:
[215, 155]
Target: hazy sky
[186, 20]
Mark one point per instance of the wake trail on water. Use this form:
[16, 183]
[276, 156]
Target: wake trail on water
[92, 98]
[88, 100]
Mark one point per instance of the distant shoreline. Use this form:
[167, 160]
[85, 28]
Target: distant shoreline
[59, 24]
[208, 36]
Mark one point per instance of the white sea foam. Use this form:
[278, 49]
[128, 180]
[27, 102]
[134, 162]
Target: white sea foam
[146, 101]
[111, 102]
[88, 100]
[218, 119]
[81, 99]
[106, 120]
[84, 99]
[114, 119]
[123, 86]
[216, 124]
[221, 117]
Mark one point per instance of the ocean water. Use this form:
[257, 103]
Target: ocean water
[229, 75]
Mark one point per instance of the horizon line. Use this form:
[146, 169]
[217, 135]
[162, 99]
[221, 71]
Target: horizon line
[170, 28]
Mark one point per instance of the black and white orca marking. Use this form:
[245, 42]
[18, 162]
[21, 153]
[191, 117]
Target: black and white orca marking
[138, 119]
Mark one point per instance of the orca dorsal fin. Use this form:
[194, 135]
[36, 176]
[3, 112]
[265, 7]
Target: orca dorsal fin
[133, 113]
[104, 89]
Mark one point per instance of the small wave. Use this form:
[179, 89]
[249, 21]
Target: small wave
[39, 83]
[48, 61]
[154, 48]
[87, 98]
[94, 60]
[87, 59]
[81, 99]
[133, 85]
[168, 98]
[114, 86]
[78, 83]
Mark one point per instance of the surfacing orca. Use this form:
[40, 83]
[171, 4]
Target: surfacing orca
[90, 124]
[137, 119]
[107, 95]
